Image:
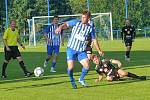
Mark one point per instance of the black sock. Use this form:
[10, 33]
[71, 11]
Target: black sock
[47, 59]
[128, 54]
[4, 68]
[132, 75]
[23, 67]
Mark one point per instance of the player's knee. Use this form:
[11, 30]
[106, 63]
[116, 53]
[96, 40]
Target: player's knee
[6, 61]
[19, 58]
[109, 78]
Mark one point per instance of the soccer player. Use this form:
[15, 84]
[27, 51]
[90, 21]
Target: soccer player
[53, 43]
[77, 45]
[106, 67]
[128, 36]
[10, 38]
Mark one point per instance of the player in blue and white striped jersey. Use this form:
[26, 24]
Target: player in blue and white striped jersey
[76, 48]
[53, 42]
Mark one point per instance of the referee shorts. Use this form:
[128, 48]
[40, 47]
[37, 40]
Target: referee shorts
[13, 53]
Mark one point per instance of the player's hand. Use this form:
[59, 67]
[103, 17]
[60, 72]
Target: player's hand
[58, 30]
[62, 43]
[23, 46]
[96, 80]
[101, 53]
[8, 49]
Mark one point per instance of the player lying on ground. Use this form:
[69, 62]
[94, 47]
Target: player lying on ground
[106, 67]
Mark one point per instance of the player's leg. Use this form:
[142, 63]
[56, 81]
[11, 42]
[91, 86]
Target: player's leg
[4, 66]
[8, 56]
[82, 57]
[123, 73]
[17, 55]
[128, 44]
[89, 52]
[49, 53]
[70, 61]
[56, 52]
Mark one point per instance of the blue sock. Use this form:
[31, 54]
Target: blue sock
[70, 73]
[53, 64]
[84, 72]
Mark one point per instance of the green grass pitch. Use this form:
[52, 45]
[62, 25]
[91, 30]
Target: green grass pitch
[56, 86]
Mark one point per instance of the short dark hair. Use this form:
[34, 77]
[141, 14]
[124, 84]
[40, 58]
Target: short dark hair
[93, 56]
[55, 16]
[86, 12]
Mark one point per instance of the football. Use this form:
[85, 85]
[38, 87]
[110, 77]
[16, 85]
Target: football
[38, 71]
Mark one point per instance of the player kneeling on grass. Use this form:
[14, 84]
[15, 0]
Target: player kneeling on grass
[106, 67]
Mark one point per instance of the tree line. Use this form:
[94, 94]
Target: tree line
[20, 10]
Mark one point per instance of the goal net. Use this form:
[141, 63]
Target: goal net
[102, 22]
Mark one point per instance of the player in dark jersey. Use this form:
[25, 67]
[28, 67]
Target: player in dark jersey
[106, 67]
[128, 36]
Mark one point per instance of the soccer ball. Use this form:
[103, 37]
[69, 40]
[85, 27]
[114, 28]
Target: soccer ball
[38, 71]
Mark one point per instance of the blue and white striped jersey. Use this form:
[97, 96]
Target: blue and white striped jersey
[79, 35]
[54, 38]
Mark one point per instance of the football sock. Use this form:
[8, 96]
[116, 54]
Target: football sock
[132, 75]
[84, 72]
[4, 68]
[23, 66]
[53, 64]
[128, 54]
[70, 73]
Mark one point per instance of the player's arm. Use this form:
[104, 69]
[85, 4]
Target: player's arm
[19, 41]
[100, 77]
[5, 40]
[62, 38]
[134, 34]
[122, 34]
[117, 62]
[66, 25]
[46, 31]
[97, 46]
[95, 42]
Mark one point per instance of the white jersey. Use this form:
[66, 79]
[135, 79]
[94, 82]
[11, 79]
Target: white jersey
[79, 35]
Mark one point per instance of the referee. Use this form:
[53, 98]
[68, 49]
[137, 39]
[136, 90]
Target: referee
[10, 38]
[128, 36]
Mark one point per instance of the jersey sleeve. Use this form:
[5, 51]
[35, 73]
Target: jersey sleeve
[93, 35]
[73, 22]
[5, 34]
[46, 30]
[122, 32]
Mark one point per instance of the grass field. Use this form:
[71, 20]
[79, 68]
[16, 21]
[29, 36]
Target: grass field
[56, 86]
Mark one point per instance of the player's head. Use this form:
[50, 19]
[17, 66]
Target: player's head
[96, 59]
[12, 24]
[127, 22]
[86, 15]
[55, 19]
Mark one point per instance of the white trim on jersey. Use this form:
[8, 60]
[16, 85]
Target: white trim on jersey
[79, 35]
[54, 38]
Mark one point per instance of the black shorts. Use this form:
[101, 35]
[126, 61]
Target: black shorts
[115, 74]
[13, 53]
[89, 50]
[128, 43]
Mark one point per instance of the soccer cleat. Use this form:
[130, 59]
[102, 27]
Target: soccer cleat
[3, 76]
[52, 70]
[126, 58]
[82, 83]
[28, 74]
[45, 63]
[74, 86]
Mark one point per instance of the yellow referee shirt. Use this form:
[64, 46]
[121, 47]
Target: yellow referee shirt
[11, 37]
